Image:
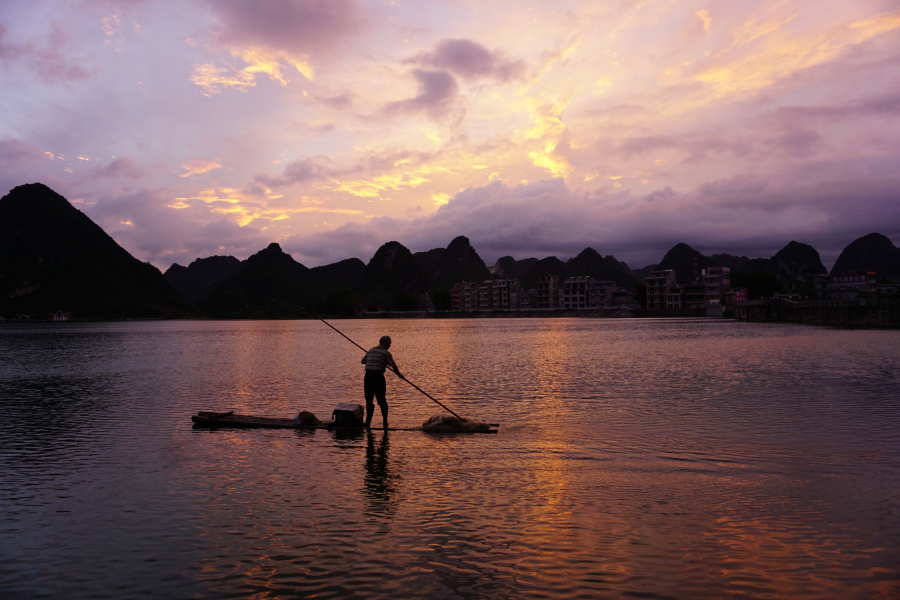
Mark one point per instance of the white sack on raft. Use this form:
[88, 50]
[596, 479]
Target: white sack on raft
[451, 423]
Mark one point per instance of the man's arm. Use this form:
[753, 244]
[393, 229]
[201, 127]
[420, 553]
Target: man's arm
[363, 361]
[394, 366]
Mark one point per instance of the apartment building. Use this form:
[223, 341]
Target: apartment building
[548, 292]
[693, 295]
[658, 285]
[505, 294]
[576, 292]
[675, 298]
[716, 282]
[526, 299]
[464, 296]
[486, 295]
[602, 293]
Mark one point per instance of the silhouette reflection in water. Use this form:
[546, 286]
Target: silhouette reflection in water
[379, 485]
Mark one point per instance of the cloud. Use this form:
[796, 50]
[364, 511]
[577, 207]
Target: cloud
[51, 62]
[797, 141]
[743, 183]
[123, 166]
[337, 101]
[268, 36]
[437, 91]
[469, 60]
[301, 28]
[881, 104]
[224, 236]
[198, 166]
[258, 62]
[14, 150]
[315, 168]
[549, 218]
[369, 174]
[21, 163]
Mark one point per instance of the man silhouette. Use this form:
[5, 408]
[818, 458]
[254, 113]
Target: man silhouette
[377, 360]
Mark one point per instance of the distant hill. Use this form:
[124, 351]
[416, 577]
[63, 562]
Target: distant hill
[546, 266]
[873, 252]
[589, 263]
[685, 261]
[392, 269]
[509, 268]
[727, 260]
[202, 276]
[604, 268]
[269, 283]
[428, 260]
[54, 258]
[789, 263]
[338, 276]
[460, 262]
[644, 273]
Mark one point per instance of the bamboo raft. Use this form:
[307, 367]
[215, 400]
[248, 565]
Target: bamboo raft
[230, 419]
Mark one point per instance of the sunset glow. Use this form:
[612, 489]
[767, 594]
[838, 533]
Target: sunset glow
[217, 127]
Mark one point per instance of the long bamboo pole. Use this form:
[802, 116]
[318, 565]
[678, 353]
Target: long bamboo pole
[395, 372]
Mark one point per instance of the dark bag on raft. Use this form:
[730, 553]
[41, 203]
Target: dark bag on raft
[348, 415]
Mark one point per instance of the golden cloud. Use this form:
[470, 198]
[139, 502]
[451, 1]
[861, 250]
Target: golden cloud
[245, 209]
[776, 54]
[373, 188]
[196, 166]
[557, 165]
[258, 62]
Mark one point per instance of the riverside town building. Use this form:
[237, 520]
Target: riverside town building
[664, 292]
[573, 293]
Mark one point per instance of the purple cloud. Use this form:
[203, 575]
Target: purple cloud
[295, 26]
[13, 150]
[743, 183]
[321, 167]
[51, 62]
[549, 218]
[226, 236]
[437, 91]
[305, 170]
[124, 166]
[470, 60]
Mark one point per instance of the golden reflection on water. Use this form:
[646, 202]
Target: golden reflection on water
[634, 459]
[381, 482]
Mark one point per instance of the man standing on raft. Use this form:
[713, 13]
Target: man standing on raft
[377, 360]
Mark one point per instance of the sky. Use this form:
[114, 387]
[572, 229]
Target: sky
[198, 127]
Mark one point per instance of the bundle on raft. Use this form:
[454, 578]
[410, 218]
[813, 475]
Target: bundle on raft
[446, 423]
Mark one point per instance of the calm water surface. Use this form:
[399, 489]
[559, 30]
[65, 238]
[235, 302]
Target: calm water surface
[636, 458]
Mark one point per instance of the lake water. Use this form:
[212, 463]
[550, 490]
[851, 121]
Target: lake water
[635, 459]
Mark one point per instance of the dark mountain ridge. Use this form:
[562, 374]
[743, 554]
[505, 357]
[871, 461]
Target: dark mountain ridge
[201, 276]
[269, 283]
[54, 258]
[546, 266]
[873, 252]
[791, 262]
[687, 263]
[588, 263]
[392, 269]
[460, 262]
[602, 268]
[507, 267]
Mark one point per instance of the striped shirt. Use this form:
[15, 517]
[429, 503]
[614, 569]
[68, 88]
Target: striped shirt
[378, 359]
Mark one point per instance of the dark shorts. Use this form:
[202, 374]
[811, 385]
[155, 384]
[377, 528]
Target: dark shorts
[375, 387]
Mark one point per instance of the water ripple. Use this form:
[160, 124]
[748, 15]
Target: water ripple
[636, 458]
